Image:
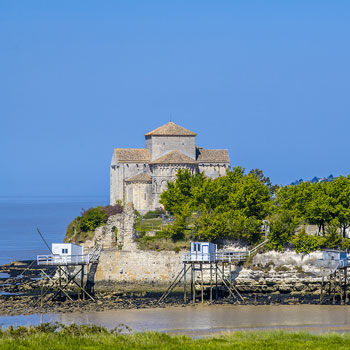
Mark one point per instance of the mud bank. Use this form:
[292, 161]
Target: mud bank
[21, 287]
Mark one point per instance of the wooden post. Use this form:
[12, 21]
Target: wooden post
[223, 278]
[216, 281]
[185, 297]
[41, 290]
[194, 285]
[59, 280]
[346, 285]
[202, 287]
[230, 272]
[321, 294]
[334, 286]
[211, 283]
[82, 282]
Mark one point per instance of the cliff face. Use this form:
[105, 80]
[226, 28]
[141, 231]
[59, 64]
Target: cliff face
[121, 262]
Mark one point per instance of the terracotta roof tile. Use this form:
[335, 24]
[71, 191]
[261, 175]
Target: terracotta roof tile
[142, 177]
[171, 129]
[212, 155]
[174, 157]
[132, 155]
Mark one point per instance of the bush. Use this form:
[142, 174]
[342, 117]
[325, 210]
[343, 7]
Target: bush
[345, 244]
[304, 243]
[113, 209]
[332, 238]
[282, 230]
[92, 218]
[83, 226]
[154, 213]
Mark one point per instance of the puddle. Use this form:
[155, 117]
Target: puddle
[10, 293]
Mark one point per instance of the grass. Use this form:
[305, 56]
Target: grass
[154, 224]
[95, 337]
[161, 240]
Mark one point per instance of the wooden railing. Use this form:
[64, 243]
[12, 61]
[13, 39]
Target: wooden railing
[223, 256]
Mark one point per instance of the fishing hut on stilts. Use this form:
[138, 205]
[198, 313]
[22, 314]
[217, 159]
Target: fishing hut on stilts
[335, 276]
[203, 260]
[73, 268]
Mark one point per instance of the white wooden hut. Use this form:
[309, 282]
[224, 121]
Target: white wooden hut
[65, 249]
[203, 251]
[63, 254]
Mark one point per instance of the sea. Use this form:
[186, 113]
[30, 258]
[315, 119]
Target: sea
[21, 217]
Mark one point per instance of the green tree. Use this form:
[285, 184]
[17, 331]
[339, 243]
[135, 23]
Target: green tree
[282, 229]
[339, 198]
[232, 206]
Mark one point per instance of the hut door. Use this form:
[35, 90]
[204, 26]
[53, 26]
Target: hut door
[205, 252]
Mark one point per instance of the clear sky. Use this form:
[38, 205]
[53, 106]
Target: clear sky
[269, 80]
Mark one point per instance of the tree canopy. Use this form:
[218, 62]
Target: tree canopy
[234, 207]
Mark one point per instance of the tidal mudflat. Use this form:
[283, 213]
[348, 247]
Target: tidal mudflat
[205, 320]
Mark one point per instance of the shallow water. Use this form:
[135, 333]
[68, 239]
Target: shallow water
[205, 320]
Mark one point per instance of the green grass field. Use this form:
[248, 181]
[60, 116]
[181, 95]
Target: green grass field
[93, 337]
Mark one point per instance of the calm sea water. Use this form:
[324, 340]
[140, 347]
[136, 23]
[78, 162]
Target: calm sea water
[21, 216]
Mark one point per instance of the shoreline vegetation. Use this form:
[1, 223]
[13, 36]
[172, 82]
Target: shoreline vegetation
[58, 336]
[239, 208]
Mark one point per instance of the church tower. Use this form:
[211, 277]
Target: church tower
[141, 175]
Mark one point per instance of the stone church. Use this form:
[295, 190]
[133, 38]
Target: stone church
[139, 175]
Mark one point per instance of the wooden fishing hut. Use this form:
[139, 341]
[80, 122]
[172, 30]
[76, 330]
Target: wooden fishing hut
[71, 262]
[204, 256]
[335, 280]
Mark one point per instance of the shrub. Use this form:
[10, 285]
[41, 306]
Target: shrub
[154, 213]
[92, 218]
[282, 230]
[332, 238]
[113, 209]
[304, 243]
[345, 244]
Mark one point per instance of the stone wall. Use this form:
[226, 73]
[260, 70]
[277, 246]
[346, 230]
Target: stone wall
[160, 145]
[137, 267]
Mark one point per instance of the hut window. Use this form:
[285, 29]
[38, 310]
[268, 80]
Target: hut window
[64, 251]
[145, 196]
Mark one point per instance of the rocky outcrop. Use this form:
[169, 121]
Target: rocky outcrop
[121, 262]
[119, 232]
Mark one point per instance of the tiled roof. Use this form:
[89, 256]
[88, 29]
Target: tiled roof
[171, 129]
[174, 157]
[139, 178]
[132, 155]
[212, 155]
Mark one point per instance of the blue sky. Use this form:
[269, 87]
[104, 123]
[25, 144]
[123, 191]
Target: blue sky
[269, 80]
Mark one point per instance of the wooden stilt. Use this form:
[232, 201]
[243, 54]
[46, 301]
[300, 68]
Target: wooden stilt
[185, 296]
[321, 293]
[211, 283]
[230, 272]
[202, 287]
[82, 282]
[194, 285]
[216, 281]
[223, 278]
[346, 299]
[60, 281]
